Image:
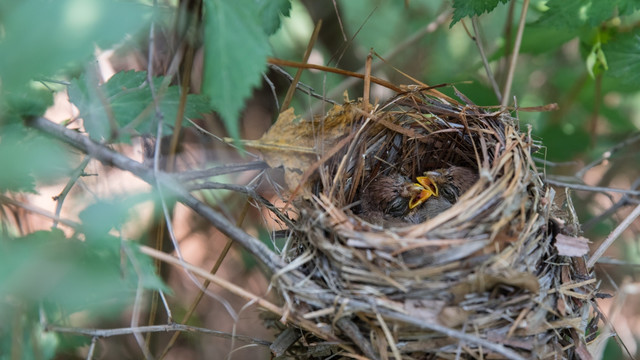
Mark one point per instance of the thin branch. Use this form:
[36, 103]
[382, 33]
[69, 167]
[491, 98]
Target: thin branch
[272, 86]
[608, 154]
[92, 348]
[624, 201]
[300, 86]
[591, 188]
[137, 304]
[75, 175]
[37, 210]
[335, 7]
[105, 333]
[110, 157]
[220, 170]
[296, 64]
[514, 57]
[613, 236]
[376, 64]
[135, 314]
[548, 163]
[477, 39]
[169, 225]
[305, 58]
[192, 308]
[235, 289]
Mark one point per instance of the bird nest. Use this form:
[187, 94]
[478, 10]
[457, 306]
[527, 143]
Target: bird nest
[480, 278]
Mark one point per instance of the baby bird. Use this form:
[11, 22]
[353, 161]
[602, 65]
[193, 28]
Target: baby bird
[389, 197]
[394, 200]
[446, 186]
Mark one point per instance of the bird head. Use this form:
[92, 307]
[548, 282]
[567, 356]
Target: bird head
[426, 188]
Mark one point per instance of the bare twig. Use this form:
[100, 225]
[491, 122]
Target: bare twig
[105, 333]
[478, 40]
[335, 7]
[135, 314]
[376, 80]
[272, 86]
[591, 188]
[376, 64]
[37, 210]
[608, 154]
[110, 157]
[300, 86]
[137, 304]
[169, 225]
[305, 58]
[92, 348]
[367, 80]
[214, 270]
[75, 175]
[514, 57]
[624, 201]
[613, 236]
[220, 170]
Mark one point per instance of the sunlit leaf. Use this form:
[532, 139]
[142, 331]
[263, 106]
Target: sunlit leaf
[127, 98]
[45, 266]
[565, 14]
[463, 8]
[236, 48]
[623, 58]
[41, 37]
[26, 155]
[270, 12]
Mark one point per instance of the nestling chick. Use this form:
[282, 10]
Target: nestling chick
[388, 198]
[446, 185]
[394, 200]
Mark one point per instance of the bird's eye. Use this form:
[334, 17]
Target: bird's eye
[397, 207]
[449, 193]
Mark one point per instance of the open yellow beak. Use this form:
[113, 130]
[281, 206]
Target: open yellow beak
[428, 189]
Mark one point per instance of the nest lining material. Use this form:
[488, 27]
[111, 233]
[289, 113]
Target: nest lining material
[485, 266]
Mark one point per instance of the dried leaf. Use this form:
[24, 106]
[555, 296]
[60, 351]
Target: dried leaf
[296, 144]
[572, 245]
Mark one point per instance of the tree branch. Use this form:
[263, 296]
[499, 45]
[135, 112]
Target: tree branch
[103, 333]
[168, 183]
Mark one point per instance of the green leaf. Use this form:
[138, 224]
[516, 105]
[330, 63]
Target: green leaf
[463, 8]
[102, 216]
[565, 14]
[75, 275]
[623, 58]
[627, 7]
[539, 40]
[236, 48]
[565, 141]
[600, 11]
[26, 155]
[29, 101]
[41, 37]
[270, 12]
[576, 13]
[128, 97]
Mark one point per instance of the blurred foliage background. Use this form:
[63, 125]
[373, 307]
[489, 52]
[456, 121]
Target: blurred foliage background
[583, 56]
